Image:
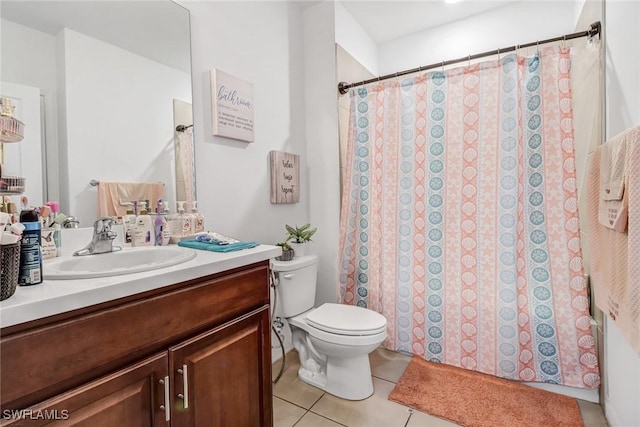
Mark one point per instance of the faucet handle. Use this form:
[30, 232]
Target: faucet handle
[102, 225]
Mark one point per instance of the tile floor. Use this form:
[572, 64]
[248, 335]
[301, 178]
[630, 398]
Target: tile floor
[298, 404]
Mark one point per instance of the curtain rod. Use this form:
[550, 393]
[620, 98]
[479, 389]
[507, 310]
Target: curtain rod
[594, 30]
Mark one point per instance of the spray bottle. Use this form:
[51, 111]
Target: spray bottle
[30, 256]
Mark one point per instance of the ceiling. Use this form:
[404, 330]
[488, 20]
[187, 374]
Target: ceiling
[389, 20]
[158, 30]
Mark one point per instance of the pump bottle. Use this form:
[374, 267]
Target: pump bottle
[198, 218]
[143, 234]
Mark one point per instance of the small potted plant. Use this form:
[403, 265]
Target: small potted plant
[287, 251]
[299, 237]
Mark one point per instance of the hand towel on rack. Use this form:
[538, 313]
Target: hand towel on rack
[614, 256]
[613, 206]
[112, 196]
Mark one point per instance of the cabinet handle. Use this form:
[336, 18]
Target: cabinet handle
[165, 381]
[288, 276]
[185, 386]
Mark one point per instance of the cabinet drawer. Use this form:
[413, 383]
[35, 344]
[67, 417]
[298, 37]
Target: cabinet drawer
[40, 363]
[129, 397]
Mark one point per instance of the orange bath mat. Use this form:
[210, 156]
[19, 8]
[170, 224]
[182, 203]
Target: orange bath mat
[473, 399]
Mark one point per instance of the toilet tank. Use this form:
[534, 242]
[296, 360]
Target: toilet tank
[296, 286]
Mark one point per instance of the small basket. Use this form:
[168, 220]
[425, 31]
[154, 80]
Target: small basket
[12, 184]
[9, 269]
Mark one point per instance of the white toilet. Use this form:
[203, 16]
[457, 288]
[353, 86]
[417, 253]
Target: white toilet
[333, 340]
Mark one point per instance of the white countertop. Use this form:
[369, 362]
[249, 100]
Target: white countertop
[58, 296]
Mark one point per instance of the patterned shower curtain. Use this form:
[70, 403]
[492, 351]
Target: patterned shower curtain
[460, 219]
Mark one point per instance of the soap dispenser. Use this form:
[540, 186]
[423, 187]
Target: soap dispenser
[157, 224]
[143, 234]
[166, 229]
[129, 225]
[185, 220]
[198, 218]
[175, 225]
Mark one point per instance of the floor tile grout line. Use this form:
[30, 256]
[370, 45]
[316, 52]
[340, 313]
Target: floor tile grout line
[300, 419]
[317, 400]
[295, 404]
[384, 379]
[327, 418]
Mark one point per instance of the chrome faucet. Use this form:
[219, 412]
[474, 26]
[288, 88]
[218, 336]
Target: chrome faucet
[102, 240]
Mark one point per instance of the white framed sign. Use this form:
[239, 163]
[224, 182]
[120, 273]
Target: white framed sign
[231, 106]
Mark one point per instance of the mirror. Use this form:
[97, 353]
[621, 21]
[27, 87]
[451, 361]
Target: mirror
[101, 87]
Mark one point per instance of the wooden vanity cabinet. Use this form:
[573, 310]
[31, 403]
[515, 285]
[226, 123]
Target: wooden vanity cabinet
[204, 345]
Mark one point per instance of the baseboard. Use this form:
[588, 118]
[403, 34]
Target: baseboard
[577, 393]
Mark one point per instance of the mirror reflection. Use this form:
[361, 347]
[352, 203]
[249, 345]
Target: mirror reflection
[101, 88]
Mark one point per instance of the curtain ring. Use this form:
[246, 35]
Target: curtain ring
[469, 58]
[564, 39]
[498, 54]
[517, 49]
[538, 47]
[442, 66]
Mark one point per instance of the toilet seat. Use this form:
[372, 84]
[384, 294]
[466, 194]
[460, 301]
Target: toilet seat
[346, 320]
[343, 336]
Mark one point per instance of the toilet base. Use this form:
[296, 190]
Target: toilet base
[348, 378]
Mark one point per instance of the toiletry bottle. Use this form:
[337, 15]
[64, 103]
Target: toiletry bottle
[129, 226]
[30, 255]
[57, 238]
[57, 233]
[157, 224]
[175, 226]
[198, 218]
[143, 234]
[166, 230]
[186, 227]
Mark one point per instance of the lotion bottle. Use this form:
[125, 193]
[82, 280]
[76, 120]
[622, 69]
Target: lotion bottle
[157, 224]
[166, 229]
[198, 218]
[143, 234]
[175, 226]
[185, 220]
[129, 226]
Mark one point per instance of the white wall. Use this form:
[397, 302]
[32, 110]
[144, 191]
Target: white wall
[321, 97]
[622, 36]
[355, 40]
[114, 139]
[517, 23]
[29, 56]
[261, 43]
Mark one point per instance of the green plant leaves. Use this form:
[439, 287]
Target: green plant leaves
[300, 234]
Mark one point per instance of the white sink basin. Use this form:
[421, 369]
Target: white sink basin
[127, 261]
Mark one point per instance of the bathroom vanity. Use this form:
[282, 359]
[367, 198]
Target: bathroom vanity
[187, 345]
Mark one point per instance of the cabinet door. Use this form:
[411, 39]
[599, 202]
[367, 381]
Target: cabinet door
[130, 397]
[223, 377]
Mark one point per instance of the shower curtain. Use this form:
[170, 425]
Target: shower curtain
[459, 218]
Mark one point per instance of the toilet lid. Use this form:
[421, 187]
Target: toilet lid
[346, 320]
